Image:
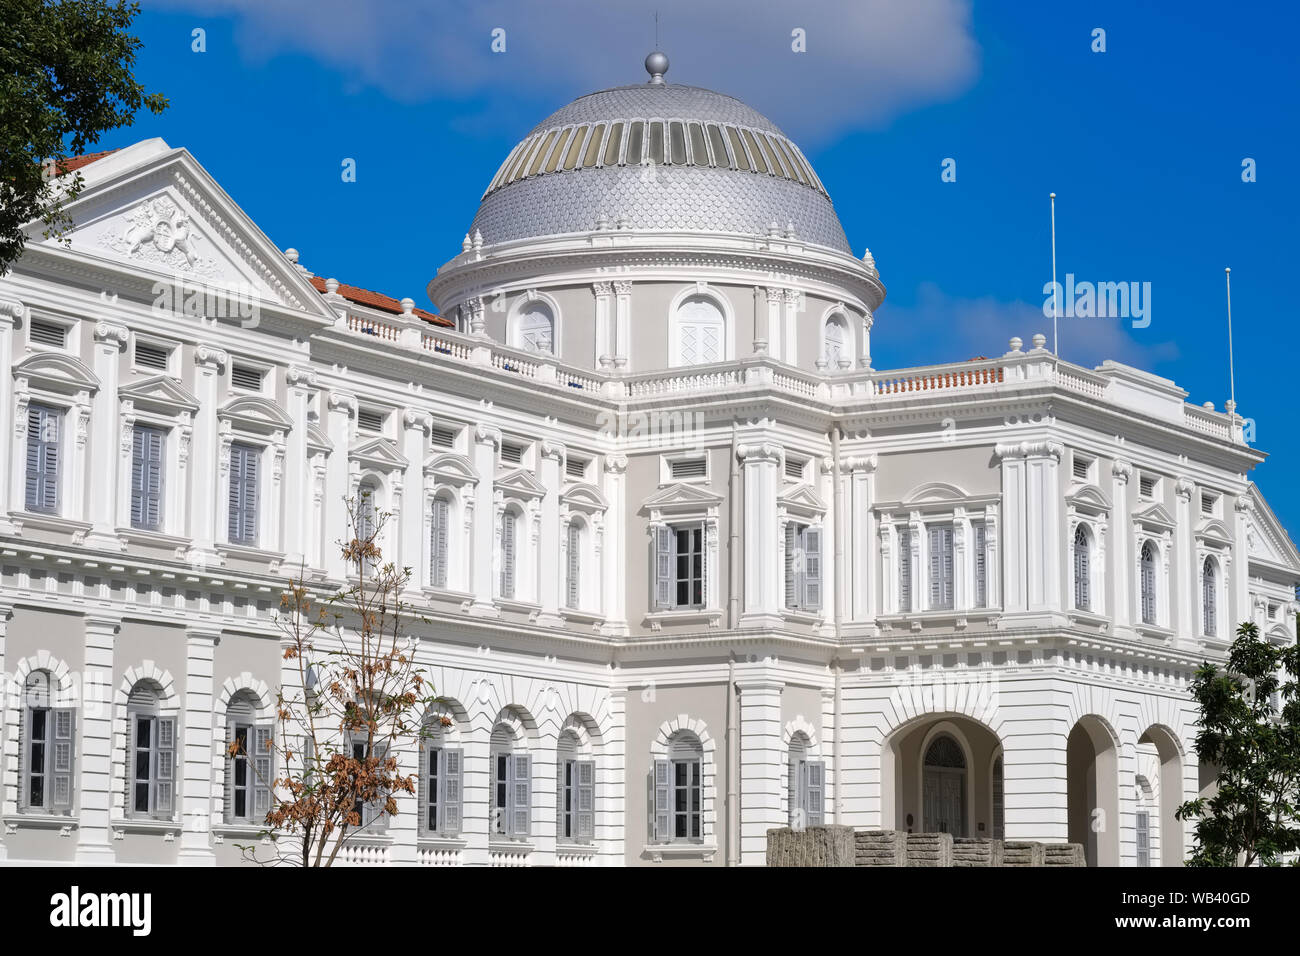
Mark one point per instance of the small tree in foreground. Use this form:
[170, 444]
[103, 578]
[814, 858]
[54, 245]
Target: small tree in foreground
[355, 699]
[1250, 732]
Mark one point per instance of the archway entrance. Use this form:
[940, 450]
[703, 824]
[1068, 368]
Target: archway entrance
[943, 787]
[1092, 788]
[1167, 761]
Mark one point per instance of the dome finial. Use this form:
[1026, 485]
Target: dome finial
[656, 64]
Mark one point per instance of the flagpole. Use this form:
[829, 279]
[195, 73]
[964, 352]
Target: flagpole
[1056, 290]
[1232, 375]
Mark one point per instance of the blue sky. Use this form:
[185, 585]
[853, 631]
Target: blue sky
[1143, 145]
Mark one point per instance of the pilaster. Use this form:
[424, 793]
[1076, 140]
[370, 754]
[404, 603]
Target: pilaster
[196, 782]
[96, 754]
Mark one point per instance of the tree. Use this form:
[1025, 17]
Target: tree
[352, 700]
[65, 79]
[1250, 732]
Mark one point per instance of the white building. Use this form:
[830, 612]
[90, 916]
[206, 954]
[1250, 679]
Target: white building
[671, 528]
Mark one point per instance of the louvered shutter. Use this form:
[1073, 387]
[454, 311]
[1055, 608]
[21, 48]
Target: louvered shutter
[438, 543]
[1210, 594]
[235, 502]
[560, 766]
[794, 793]
[263, 765]
[521, 790]
[981, 566]
[575, 564]
[128, 793]
[791, 582]
[665, 559]
[1082, 571]
[375, 809]
[814, 792]
[24, 734]
[228, 790]
[1148, 586]
[1143, 840]
[153, 486]
[662, 801]
[165, 779]
[936, 568]
[704, 565]
[585, 797]
[137, 477]
[452, 772]
[43, 435]
[250, 496]
[905, 569]
[62, 758]
[427, 784]
[507, 554]
[812, 568]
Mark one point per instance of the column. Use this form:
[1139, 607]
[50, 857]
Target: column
[830, 795]
[775, 328]
[761, 760]
[94, 831]
[110, 339]
[1239, 583]
[10, 311]
[1183, 619]
[487, 440]
[342, 409]
[864, 596]
[613, 550]
[762, 333]
[204, 492]
[196, 772]
[1120, 571]
[611, 801]
[763, 587]
[1034, 777]
[413, 543]
[864, 357]
[297, 474]
[550, 578]
[6, 611]
[403, 829]
[1031, 494]
[792, 300]
[622, 322]
[604, 334]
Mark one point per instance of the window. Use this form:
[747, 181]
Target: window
[370, 420]
[678, 791]
[41, 332]
[536, 326]
[1143, 838]
[509, 550]
[246, 377]
[249, 767]
[1082, 569]
[679, 566]
[43, 434]
[1148, 582]
[243, 492]
[807, 786]
[439, 528]
[803, 567]
[685, 469]
[441, 782]
[1209, 602]
[836, 350]
[700, 332]
[904, 569]
[47, 743]
[150, 756]
[151, 355]
[999, 800]
[575, 784]
[372, 814]
[147, 477]
[941, 591]
[979, 531]
[511, 787]
[573, 585]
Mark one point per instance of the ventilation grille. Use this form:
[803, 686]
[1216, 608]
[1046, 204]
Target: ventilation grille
[152, 356]
[48, 333]
[794, 468]
[1207, 504]
[1146, 486]
[512, 454]
[369, 420]
[242, 376]
[688, 468]
[1081, 466]
[443, 437]
[575, 468]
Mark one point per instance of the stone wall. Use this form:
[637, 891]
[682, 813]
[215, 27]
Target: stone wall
[843, 846]
[811, 846]
[880, 848]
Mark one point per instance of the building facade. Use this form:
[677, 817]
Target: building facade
[692, 567]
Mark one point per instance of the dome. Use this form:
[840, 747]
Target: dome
[657, 156]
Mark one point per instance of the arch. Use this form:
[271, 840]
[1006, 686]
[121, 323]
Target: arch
[934, 491]
[1210, 596]
[800, 725]
[1081, 568]
[533, 323]
[249, 685]
[1170, 754]
[451, 709]
[659, 750]
[945, 748]
[838, 340]
[1149, 581]
[969, 717]
[701, 327]
[1092, 789]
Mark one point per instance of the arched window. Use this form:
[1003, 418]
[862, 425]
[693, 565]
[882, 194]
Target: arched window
[511, 786]
[536, 329]
[1209, 599]
[1082, 569]
[1148, 582]
[367, 519]
[441, 780]
[575, 780]
[573, 582]
[999, 801]
[807, 785]
[46, 748]
[249, 760]
[150, 754]
[439, 538]
[679, 791]
[509, 552]
[943, 787]
[837, 343]
[701, 332]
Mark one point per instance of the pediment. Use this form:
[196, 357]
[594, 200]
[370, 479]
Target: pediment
[584, 497]
[159, 393]
[681, 497]
[317, 440]
[934, 491]
[1214, 530]
[1155, 516]
[520, 483]
[451, 468]
[1266, 539]
[155, 210]
[378, 453]
[1089, 498]
[255, 414]
[57, 372]
[802, 499]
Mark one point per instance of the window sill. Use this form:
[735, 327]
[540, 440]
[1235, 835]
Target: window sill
[518, 607]
[249, 553]
[581, 617]
[916, 620]
[42, 521]
[164, 828]
[1091, 618]
[238, 830]
[504, 844]
[430, 842]
[796, 616]
[576, 849]
[445, 594]
[710, 616]
[149, 536]
[40, 821]
[1154, 632]
[658, 852]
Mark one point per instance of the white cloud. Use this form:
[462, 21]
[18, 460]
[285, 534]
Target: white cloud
[866, 60]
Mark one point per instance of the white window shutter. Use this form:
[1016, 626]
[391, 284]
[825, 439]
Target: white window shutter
[575, 564]
[585, 797]
[560, 766]
[521, 789]
[791, 583]
[812, 569]
[946, 596]
[794, 792]
[262, 763]
[165, 768]
[508, 529]
[228, 789]
[905, 569]
[449, 813]
[234, 496]
[814, 793]
[981, 565]
[705, 597]
[128, 794]
[936, 568]
[425, 783]
[438, 544]
[665, 576]
[137, 477]
[663, 831]
[154, 482]
[24, 758]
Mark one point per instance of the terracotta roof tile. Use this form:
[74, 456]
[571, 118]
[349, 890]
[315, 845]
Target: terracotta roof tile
[73, 163]
[377, 300]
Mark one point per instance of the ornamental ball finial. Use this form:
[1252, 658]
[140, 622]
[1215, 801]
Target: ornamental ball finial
[656, 64]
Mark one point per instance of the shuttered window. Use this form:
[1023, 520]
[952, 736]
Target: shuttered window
[678, 788]
[509, 546]
[904, 570]
[372, 813]
[1082, 569]
[243, 494]
[941, 577]
[679, 566]
[147, 445]
[803, 567]
[573, 588]
[511, 788]
[46, 749]
[1209, 604]
[1143, 839]
[439, 518]
[441, 785]
[980, 533]
[150, 757]
[575, 781]
[999, 811]
[44, 427]
[1148, 582]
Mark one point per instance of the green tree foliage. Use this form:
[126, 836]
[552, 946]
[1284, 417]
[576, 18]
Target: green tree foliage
[65, 79]
[1250, 732]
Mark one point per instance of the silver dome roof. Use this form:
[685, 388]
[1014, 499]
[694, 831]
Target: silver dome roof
[657, 156]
